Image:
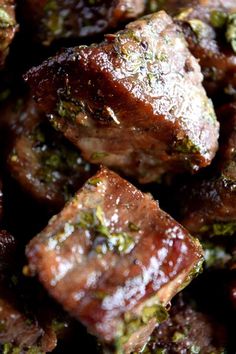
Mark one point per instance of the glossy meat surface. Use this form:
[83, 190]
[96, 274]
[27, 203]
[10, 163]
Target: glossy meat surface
[208, 28]
[8, 27]
[135, 102]
[113, 259]
[40, 159]
[209, 204]
[53, 20]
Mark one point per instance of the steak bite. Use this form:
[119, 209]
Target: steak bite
[52, 20]
[209, 204]
[135, 102]
[41, 159]
[8, 27]
[188, 330]
[209, 28]
[114, 260]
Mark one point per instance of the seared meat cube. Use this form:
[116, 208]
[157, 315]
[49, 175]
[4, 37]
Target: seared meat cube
[209, 28]
[41, 160]
[113, 259]
[8, 27]
[16, 329]
[25, 331]
[52, 20]
[209, 204]
[134, 102]
[188, 330]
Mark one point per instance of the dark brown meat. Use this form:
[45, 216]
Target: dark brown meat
[134, 102]
[113, 259]
[209, 205]
[40, 159]
[7, 248]
[8, 27]
[24, 329]
[52, 20]
[209, 28]
[188, 331]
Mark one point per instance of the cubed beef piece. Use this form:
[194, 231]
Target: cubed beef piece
[23, 331]
[41, 159]
[8, 27]
[134, 102]
[209, 204]
[209, 28]
[188, 330]
[52, 20]
[113, 259]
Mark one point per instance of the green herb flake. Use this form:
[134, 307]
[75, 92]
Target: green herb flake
[4, 94]
[195, 349]
[218, 18]
[5, 19]
[133, 227]
[98, 155]
[94, 181]
[131, 324]
[156, 311]
[186, 146]
[2, 326]
[58, 326]
[231, 31]
[178, 337]
[160, 351]
[94, 221]
[199, 28]
[8, 348]
[219, 229]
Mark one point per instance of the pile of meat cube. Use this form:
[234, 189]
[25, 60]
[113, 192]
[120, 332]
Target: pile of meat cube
[117, 176]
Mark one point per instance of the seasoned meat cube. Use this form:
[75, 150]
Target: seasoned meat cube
[22, 330]
[209, 204]
[113, 259]
[40, 158]
[53, 20]
[209, 28]
[134, 102]
[8, 27]
[188, 330]
[16, 329]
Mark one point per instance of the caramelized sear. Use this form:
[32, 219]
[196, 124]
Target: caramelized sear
[134, 102]
[114, 260]
[40, 158]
